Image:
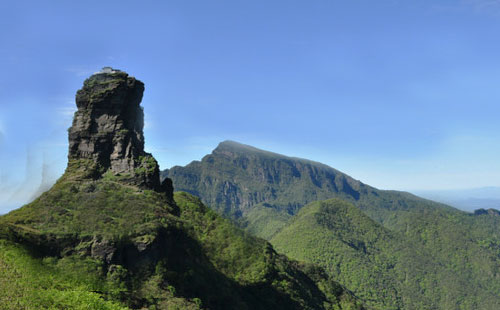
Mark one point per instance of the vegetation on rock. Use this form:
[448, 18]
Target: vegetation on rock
[136, 250]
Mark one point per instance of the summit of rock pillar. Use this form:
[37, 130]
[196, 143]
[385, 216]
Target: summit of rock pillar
[107, 132]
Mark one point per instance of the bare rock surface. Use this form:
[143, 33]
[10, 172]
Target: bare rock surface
[108, 130]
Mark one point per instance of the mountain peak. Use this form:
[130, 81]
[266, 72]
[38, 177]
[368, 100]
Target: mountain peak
[233, 147]
[107, 131]
[229, 145]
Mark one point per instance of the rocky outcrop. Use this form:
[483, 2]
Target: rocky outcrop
[491, 212]
[107, 130]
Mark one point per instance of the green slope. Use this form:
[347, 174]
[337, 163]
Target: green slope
[389, 270]
[426, 255]
[253, 263]
[34, 283]
[131, 247]
[351, 246]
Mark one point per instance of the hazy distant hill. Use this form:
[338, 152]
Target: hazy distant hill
[466, 199]
[393, 249]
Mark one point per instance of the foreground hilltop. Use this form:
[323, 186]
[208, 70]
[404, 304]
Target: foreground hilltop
[110, 235]
[392, 249]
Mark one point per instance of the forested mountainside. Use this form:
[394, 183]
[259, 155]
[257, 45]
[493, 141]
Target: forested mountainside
[264, 189]
[436, 267]
[405, 252]
[110, 235]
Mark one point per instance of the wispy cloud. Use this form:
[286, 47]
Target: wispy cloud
[82, 70]
[152, 149]
[48, 179]
[40, 173]
[15, 191]
[148, 122]
[65, 111]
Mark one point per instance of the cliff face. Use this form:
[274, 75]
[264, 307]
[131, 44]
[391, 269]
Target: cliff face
[236, 178]
[107, 130]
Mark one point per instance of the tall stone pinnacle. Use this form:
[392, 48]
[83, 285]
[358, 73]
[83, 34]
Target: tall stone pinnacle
[107, 130]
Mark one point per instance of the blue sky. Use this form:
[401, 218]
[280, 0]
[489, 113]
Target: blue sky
[399, 94]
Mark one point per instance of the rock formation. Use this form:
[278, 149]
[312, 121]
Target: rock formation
[107, 130]
[491, 212]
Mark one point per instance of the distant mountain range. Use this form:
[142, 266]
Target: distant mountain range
[394, 250]
[466, 199]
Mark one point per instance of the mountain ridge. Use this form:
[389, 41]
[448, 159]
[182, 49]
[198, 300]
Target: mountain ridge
[232, 181]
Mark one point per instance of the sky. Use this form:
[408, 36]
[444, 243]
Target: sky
[398, 94]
